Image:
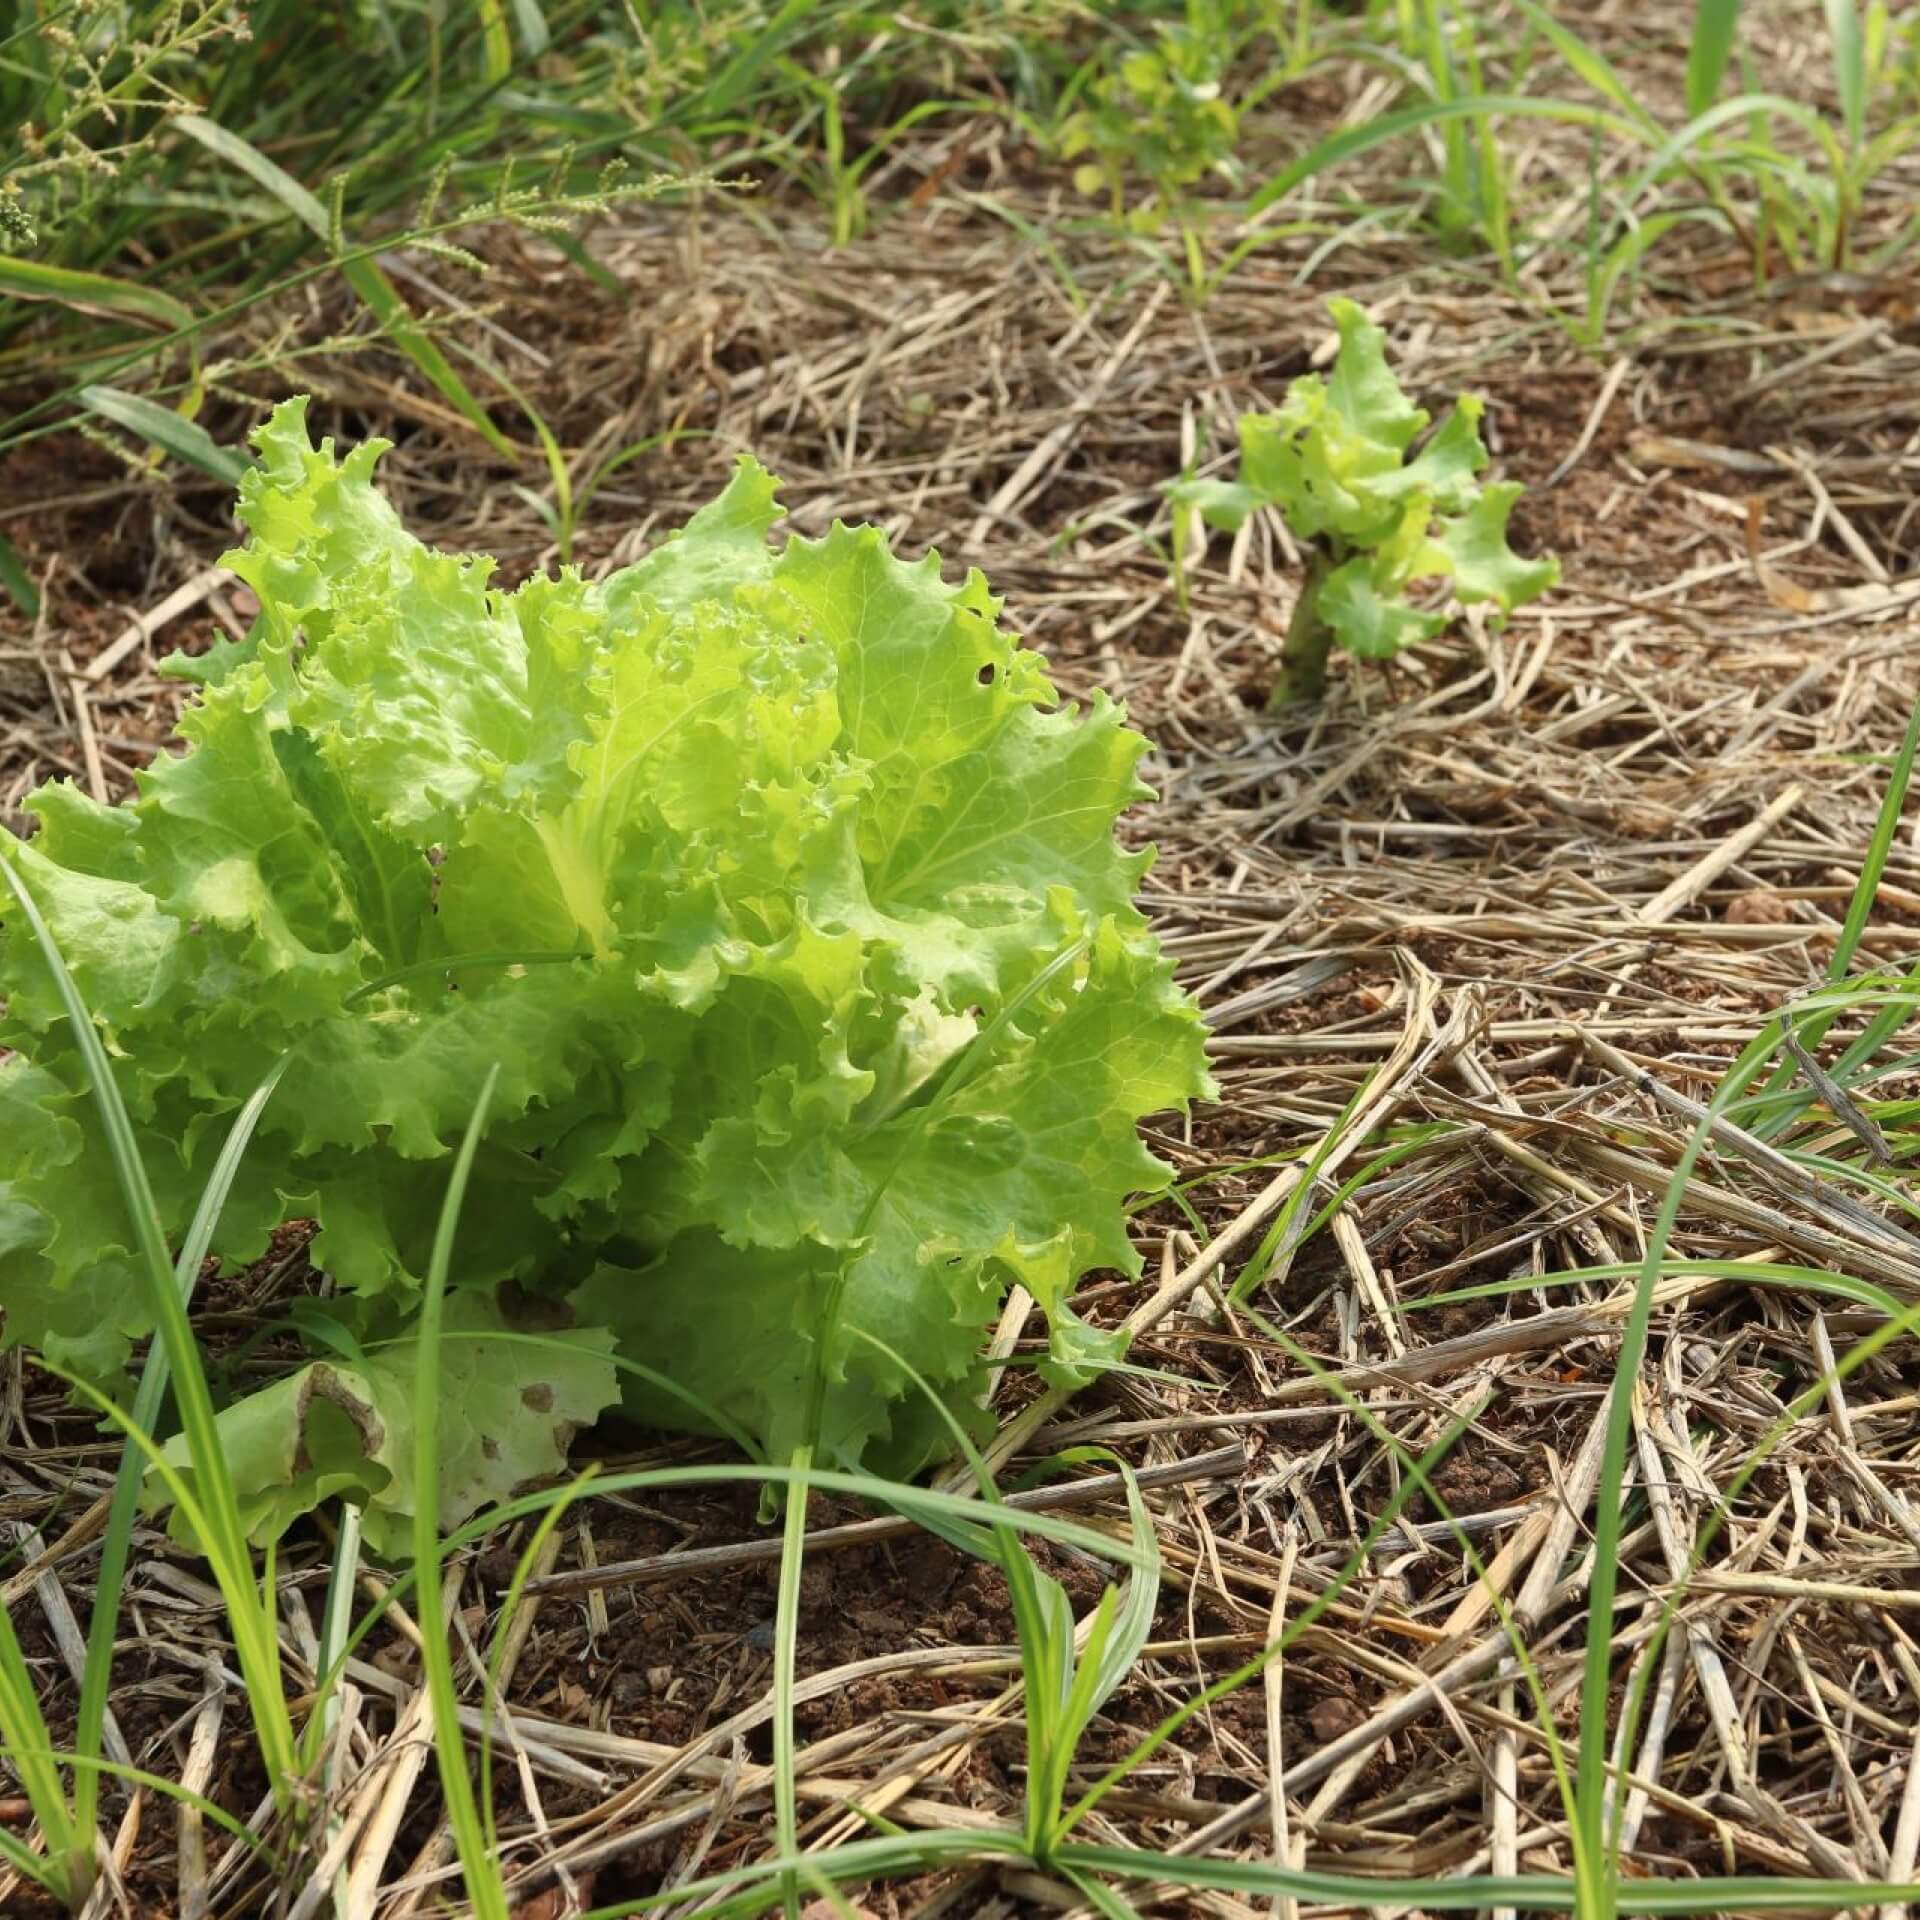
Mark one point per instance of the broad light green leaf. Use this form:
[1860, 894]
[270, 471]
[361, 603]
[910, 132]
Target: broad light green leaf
[1222, 503]
[1443, 472]
[1484, 566]
[121, 949]
[1368, 622]
[68, 1282]
[1361, 390]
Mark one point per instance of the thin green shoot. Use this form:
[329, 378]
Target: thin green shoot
[66, 1869]
[366, 276]
[223, 1538]
[167, 431]
[1879, 850]
[743, 1890]
[1714, 25]
[485, 1888]
[503, 1638]
[1418, 1480]
[103, 1622]
[24, 1860]
[786, 1635]
[561, 508]
[1288, 1229]
[336, 1624]
[1069, 1672]
[1759, 1273]
[1596, 1857]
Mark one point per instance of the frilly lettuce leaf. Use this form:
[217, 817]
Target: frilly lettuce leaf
[1332, 459]
[776, 880]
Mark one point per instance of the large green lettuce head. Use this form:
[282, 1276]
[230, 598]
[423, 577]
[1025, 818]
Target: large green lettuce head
[779, 884]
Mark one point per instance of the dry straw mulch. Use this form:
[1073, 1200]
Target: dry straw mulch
[1530, 891]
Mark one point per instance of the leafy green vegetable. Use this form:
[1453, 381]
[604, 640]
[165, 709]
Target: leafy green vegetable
[845, 1024]
[1333, 459]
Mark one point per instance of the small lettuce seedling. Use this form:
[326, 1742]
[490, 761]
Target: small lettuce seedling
[1333, 459]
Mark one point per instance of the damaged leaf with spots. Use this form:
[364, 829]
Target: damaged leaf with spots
[510, 1403]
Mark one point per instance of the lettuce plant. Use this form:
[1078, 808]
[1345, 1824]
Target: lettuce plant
[1373, 523]
[777, 882]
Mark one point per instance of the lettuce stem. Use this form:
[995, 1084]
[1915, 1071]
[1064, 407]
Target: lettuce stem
[1303, 660]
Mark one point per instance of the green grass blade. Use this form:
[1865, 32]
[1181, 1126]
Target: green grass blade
[66, 1869]
[250, 1613]
[1849, 67]
[336, 1627]
[740, 73]
[184, 1796]
[1714, 22]
[183, 438]
[103, 1623]
[1354, 141]
[1859, 908]
[1900, 1326]
[34, 1868]
[372, 285]
[745, 1890]
[1592, 66]
[1595, 1866]
[502, 1637]
[1625, 256]
[1285, 1234]
[1758, 1273]
[93, 293]
[226, 145]
[496, 39]
[1879, 849]
[1042, 1618]
[1100, 1897]
[565, 243]
[484, 1887]
[1418, 1480]
[926, 1506]
[393, 313]
[1678, 144]
[1749, 1894]
[1133, 1627]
